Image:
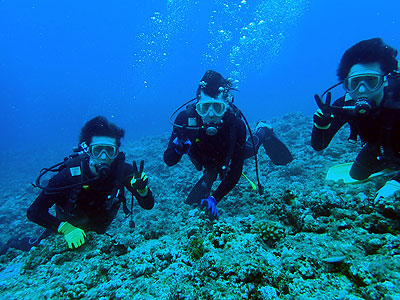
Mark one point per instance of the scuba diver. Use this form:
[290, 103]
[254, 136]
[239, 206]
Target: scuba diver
[88, 188]
[213, 133]
[371, 106]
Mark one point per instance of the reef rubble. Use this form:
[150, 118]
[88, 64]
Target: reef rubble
[304, 238]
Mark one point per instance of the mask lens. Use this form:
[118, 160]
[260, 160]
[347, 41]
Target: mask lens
[110, 150]
[371, 81]
[202, 108]
[218, 108]
[95, 150]
[205, 107]
[353, 83]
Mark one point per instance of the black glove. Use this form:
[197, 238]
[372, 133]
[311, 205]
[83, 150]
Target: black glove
[139, 179]
[323, 116]
[182, 144]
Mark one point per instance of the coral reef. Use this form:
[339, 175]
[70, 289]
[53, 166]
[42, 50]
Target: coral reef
[304, 238]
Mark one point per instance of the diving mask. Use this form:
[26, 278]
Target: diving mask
[97, 150]
[211, 107]
[371, 81]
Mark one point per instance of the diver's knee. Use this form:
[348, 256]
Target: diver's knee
[359, 172]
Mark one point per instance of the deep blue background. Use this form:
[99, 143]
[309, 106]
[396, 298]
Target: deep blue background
[64, 62]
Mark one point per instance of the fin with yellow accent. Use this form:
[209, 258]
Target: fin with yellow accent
[342, 172]
[254, 187]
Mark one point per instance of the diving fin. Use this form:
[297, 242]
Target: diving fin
[342, 172]
[253, 186]
[276, 150]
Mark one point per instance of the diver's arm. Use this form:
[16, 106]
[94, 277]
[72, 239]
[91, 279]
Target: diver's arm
[146, 201]
[320, 138]
[144, 197]
[38, 212]
[171, 156]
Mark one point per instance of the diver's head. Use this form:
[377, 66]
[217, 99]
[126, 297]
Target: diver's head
[102, 151]
[363, 69]
[213, 98]
[103, 140]
[366, 83]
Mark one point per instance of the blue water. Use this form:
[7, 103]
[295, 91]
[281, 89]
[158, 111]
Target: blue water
[64, 62]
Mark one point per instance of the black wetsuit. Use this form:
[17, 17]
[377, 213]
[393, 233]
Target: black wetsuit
[218, 154]
[226, 149]
[379, 131]
[90, 206]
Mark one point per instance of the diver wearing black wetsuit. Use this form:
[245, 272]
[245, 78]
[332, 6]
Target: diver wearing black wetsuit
[371, 106]
[379, 131]
[221, 153]
[213, 134]
[91, 206]
[89, 188]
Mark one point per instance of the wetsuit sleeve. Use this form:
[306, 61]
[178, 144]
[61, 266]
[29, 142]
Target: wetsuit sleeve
[236, 165]
[171, 157]
[146, 202]
[320, 138]
[38, 212]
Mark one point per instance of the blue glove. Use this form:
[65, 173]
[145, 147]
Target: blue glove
[182, 145]
[211, 205]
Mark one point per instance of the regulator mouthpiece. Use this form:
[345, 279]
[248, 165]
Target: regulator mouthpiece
[362, 107]
[211, 130]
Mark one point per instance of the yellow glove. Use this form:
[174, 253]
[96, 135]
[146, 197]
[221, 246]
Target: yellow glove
[387, 190]
[74, 236]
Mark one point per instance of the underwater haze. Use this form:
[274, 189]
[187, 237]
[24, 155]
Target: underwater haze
[64, 62]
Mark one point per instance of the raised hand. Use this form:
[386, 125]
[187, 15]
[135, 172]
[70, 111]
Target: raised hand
[182, 144]
[323, 116]
[325, 107]
[139, 179]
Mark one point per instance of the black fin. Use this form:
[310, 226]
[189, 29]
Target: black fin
[277, 151]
